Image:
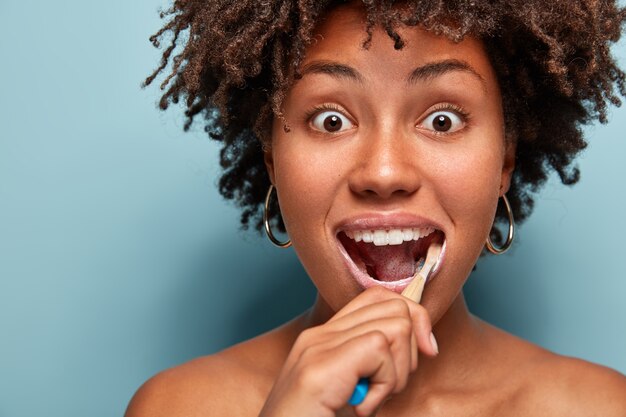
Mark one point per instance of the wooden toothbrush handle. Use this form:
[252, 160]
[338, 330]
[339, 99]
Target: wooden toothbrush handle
[414, 290]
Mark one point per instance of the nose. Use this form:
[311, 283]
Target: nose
[387, 165]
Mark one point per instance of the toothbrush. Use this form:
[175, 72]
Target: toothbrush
[413, 292]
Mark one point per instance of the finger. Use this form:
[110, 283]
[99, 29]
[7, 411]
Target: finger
[426, 342]
[368, 297]
[330, 375]
[400, 337]
[413, 353]
[390, 307]
[393, 305]
[379, 368]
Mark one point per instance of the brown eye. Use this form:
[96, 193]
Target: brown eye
[331, 121]
[443, 121]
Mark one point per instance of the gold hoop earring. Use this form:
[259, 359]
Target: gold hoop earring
[266, 222]
[509, 239]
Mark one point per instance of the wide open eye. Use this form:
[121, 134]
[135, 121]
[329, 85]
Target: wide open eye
[443, 121]
[331, 121]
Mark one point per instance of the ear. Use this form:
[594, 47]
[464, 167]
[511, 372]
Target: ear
[508, 166]
[268, 158]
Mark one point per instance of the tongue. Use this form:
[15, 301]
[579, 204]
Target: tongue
[389, 263]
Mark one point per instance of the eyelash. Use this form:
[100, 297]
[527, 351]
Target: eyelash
[449, 106]
[463, 114]
[321, 108]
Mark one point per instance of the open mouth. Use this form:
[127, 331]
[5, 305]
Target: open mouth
[389, 255]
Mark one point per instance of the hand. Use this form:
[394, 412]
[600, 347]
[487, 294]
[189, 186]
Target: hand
[376, 335]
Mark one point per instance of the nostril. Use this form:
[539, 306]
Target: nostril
[372, 180]
[385, 192]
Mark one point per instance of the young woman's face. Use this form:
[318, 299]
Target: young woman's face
[393, 144]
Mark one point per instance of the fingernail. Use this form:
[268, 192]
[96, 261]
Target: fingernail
[433, 342]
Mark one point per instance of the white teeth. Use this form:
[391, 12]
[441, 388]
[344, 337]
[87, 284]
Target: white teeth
[383, 237]
[396, 237]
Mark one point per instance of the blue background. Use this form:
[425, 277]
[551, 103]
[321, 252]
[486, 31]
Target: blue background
[118, 258]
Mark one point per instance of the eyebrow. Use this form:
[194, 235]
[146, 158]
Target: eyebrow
[334, 69]
[422, 73]
[436, 69]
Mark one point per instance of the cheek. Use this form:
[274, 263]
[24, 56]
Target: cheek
[306, 182]
[468, 184]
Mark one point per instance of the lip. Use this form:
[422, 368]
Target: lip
[385, 221]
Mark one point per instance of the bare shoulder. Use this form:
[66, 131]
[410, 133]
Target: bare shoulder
[582, 388]
[235, 381]
[559, 385]
[204, 386]
[538, 382]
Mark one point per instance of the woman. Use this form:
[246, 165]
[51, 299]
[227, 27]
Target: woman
[384, 129]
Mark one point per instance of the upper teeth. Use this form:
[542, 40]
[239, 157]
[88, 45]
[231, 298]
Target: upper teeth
[389, 236]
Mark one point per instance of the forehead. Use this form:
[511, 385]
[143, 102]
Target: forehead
[341, 34]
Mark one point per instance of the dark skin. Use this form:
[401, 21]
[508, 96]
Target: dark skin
[387, 164]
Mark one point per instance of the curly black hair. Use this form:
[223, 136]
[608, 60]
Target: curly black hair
[237, 58]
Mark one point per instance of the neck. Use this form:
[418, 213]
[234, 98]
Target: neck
[461, 341]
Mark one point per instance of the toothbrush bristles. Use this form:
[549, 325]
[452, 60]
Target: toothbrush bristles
[420, 264]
